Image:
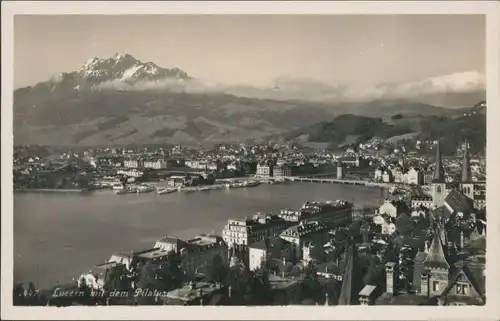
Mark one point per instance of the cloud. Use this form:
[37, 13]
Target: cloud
[312, 90]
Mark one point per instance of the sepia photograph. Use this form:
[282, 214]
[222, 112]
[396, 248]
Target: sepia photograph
[248, 160]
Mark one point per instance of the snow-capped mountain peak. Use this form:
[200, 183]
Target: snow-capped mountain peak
[124, 67]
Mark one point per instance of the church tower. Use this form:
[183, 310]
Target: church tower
[466, 184]
[438, 184]
[340, 170]
[435, 278]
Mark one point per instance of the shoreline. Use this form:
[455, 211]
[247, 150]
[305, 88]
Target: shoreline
[50, 190]
[217, 186]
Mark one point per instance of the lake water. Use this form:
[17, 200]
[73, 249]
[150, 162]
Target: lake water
[57, 236]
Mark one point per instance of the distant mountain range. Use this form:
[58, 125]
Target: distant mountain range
[452, 130]
[121, 101]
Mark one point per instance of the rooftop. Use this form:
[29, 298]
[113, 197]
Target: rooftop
[367, 290]
[458, 202]
[170, 240]
[153, 254]
[204, 240]
[304, 229]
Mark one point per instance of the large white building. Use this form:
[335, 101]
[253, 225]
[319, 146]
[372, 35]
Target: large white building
[392, 208]
[130, 172]
[414, 177]
[244, 232]
[264, 170]
[133, 163]
[156, 164]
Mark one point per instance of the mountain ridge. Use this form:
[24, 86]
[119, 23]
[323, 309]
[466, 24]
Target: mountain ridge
[119, 100]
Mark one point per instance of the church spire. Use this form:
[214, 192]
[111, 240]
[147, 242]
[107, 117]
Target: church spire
[436, 257]
[439, 169]
[352, 279]
[466, 173]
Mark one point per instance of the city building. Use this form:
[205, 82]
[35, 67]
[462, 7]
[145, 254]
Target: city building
[130, 172]
[422, 201]
[133, 163]
[398, 174]
[129, 260]
[290, 215]
[414, 177]
[282, 171]
[177, 181]
[387, 176]
[428, 176]
[304, 233]
[195, 252]
[156, 164]
[264, 170]
[393, 208]
[388, 228]
[151, 255]
[123, 258]
[452, 283]
[338, 212]
[377, 177]
[201, 250]
[169, 243]
[456, 202]
[248, 231]
[268, 249]
[354, 161]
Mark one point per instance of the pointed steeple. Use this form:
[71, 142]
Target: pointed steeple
[352, 281]
[466, 173]
[436, 257]
[438, 176]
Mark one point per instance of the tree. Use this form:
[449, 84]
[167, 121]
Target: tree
[240, 280]
[216, 269]
[405, 225]
[170, 271]
[390, 254]
[146, 276]
[261, 291]
[311, 285]
[375, 272]
[85, 288]
[318, 254]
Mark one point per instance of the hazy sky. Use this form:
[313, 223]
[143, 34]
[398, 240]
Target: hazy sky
[257, 49]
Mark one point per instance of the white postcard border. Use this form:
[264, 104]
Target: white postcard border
[489, 312]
